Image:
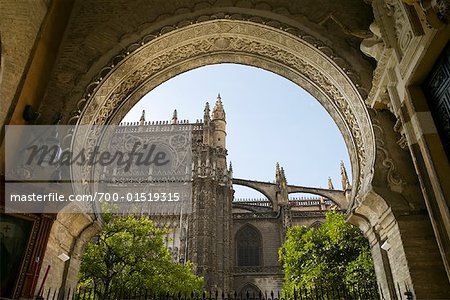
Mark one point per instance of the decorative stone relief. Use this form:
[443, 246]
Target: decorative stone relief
[436, 11]
[402, 142]
[374, 45]
[403, 30]
[393, 178]
[157, 54]
[268, 22]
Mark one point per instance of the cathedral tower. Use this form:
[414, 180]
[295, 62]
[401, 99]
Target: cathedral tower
[219, 132]
[210, 247]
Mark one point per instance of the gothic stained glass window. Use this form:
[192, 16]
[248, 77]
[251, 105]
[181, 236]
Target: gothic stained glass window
[249, 247]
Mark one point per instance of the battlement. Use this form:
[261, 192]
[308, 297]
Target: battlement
[300, 201]
[257, 200]
[158, 128]
[163, 122]
[309, 201]
[253, 201]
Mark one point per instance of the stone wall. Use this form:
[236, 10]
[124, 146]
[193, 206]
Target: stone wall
[20, 23]
[265, 283]
[69, 234]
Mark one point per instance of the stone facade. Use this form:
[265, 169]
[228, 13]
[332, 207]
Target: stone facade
[369, 63]
[208, 236]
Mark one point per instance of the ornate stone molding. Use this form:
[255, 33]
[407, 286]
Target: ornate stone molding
[437, 12]
[147, 38]
[294, 56]
[393, 178]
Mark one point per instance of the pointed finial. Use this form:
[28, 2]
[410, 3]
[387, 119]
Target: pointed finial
[230, 167]
[277, 172]
[218, 111]
[142, 119]
[282, 173]
[344, 177]
[175, 117]
[207, 115]
[330, 184]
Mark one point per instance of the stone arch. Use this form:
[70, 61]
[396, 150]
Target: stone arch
[157, 57]
[253, 187]
[250, 291]
[260, 42]
[115, 88]
[281, 49]
[339, 198]
[69, 235]
[251, 236]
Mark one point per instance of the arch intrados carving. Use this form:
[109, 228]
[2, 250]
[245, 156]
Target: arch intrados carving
[237, 41]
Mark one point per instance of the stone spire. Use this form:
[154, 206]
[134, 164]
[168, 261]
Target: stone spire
[345, 182]
[282, 198]
[277, 173]
[330, 184]
[207, 114]
[175, 117]
[283, 176]
[219, 126]
[218, 111]
[280, 177]
[142, 119]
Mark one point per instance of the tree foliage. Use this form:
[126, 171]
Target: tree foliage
[130, 255]
[334, 254]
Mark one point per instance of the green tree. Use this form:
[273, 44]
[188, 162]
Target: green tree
[130, 255]
[334, 255]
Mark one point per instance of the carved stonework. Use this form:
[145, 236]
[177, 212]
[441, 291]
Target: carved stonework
[437, 12]
[396, 32]
[402, 142]
[394, 180]
[373, 46]
[402, 32]
[332, 85]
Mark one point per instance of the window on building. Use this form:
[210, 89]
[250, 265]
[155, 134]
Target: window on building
[249, 247]
[250, 291]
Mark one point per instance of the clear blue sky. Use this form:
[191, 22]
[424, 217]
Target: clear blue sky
[269, 119]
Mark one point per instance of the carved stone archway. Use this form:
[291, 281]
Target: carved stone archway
[154, 58]
[282, 50]
[157, 57]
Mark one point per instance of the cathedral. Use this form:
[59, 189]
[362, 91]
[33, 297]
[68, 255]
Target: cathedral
[232, 242]
[380, 68]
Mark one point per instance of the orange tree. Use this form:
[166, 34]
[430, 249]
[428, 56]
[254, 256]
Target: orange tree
[130, 255]
[333, 255]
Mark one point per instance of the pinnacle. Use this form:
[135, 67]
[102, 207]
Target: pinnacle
[142, 119]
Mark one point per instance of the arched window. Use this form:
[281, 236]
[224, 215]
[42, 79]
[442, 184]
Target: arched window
[250, 291]
[249, 246]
